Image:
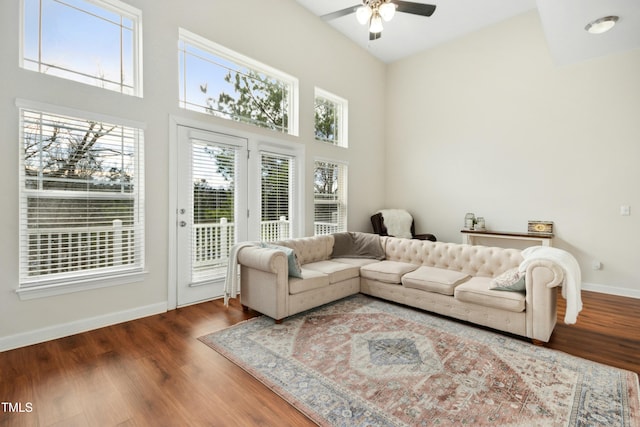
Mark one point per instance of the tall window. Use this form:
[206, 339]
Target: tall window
[81, 199]
[226, 84]
[330, 197]
[331, 114]
[277, 181]
[97, 42]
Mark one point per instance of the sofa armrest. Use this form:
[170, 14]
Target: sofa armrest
[265, 259]
[264, 281]
[541, 278]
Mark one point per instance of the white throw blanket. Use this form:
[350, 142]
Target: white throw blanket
[232, 280]
[398, 222]
[572, 282]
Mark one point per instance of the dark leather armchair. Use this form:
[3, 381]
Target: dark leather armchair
[377, 221]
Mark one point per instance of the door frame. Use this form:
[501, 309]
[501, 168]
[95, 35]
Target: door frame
[256, 143]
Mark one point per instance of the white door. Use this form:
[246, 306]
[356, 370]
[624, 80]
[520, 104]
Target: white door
[211, 210]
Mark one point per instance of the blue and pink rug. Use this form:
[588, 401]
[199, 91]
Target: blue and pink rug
[365, 362]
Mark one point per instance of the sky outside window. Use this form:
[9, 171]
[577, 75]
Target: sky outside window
[77, 40]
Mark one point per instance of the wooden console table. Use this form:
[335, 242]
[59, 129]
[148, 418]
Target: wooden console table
[468, 236]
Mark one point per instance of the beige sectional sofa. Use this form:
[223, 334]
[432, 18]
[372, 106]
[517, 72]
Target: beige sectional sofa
[446, 278]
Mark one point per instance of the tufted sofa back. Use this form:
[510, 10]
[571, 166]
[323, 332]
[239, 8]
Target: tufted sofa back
[473, 260]
[310, 249]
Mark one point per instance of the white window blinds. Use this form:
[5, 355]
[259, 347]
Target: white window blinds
[81, 199]
[213, 172]
[330, 197]
[277, 178]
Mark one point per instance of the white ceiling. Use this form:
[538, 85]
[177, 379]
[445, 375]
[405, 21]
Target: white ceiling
[563, 23]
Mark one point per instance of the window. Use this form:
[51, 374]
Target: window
[81, 199]
[217, 81]
[330, 118]
[96, 42]
[330, 197]
[277, 192]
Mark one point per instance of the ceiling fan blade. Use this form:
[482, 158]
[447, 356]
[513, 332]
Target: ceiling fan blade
[375, 36]
[340, 13]
[415, 8]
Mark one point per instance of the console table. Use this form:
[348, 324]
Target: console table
[469, 236]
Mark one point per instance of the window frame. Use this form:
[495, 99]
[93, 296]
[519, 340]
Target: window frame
[342, 117]
[114, 6]
[341, 194]
[215, 49]
[44, 286]
[291, 185]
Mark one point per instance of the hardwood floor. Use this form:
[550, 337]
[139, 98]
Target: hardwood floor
[155, 372]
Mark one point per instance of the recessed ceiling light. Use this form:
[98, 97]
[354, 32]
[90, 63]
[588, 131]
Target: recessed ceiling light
[601, 25]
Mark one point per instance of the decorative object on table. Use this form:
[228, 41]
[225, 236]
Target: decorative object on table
[469, 221]
[480, 224]
[544, 227]
[362, 361]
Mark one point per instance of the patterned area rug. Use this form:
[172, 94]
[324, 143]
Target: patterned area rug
[365, 362]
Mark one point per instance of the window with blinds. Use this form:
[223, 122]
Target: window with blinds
[331, 113]
[96, 42]
[330, 197]
[81, 199]
[277, 178]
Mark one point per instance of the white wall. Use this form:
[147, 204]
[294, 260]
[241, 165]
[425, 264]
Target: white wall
[488, 124]
[279, 33]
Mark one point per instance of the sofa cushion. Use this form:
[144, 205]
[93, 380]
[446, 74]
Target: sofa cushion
[387, 271]
[311, 279]
[433, 279]
[355, 261]
[476, 291]
[336, 271]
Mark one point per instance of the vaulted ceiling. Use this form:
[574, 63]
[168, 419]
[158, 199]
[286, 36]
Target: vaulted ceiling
[563, 23]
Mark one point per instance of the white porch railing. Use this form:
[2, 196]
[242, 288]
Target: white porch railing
[62, 250]
[59, 250]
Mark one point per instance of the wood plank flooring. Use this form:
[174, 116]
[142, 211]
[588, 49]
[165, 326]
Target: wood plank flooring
[154, 371]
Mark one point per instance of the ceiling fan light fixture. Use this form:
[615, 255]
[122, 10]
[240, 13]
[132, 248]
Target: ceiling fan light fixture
[601, 25]
[376, 24]
[363, 13]
[387, 10]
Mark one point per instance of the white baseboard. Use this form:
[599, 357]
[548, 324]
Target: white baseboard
[83, 325]
[605, 289]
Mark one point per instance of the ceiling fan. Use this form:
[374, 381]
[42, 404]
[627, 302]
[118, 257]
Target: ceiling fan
[374, 12]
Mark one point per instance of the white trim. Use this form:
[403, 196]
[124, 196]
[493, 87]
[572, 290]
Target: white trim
[83, 284]
[25, 104]
[66, 329]
[611, 290]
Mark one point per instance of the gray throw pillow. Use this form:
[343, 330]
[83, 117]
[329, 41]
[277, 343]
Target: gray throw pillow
[292, 259]
[510, 280]
[357, 245]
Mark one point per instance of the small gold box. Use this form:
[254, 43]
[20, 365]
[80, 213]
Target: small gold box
[541, 227]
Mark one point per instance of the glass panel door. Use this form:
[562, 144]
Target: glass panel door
[211, 210]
